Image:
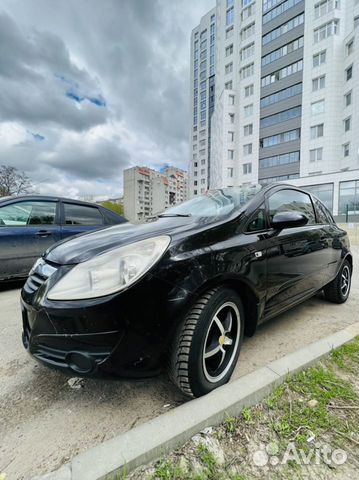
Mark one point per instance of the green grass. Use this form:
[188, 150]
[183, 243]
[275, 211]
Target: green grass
[208, 460]
[167, 470]
[347, 356]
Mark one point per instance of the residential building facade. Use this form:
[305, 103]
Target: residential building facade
[286, 97]
[202, 101]
[147, 192]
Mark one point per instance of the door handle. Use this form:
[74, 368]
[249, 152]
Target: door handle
[43, 233]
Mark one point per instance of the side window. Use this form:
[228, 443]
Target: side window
[291, 200]
[82, 215]
[258, 221]
[22, 214]
[323, 215]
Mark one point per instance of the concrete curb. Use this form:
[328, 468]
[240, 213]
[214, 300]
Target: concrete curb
[167, 432]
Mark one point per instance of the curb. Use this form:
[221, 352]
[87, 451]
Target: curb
[167, 432]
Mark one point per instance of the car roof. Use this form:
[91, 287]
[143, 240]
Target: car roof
[45, 197]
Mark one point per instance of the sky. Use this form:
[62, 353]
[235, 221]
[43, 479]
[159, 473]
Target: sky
[91, 87]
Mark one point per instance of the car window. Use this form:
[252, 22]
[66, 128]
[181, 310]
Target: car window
[323, 215]
[291, 200]
[258, 220]
[82, 215]
[28, 213]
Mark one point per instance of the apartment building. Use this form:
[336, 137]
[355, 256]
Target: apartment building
[148, 192]
[286, 97]
[202, 100]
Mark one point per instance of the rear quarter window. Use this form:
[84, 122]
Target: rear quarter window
[82, 215]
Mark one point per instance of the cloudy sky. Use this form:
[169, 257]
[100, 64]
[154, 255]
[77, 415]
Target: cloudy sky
[90, 87]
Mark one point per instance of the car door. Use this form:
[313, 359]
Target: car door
[297, 258]
[27, 229]
[78, 218]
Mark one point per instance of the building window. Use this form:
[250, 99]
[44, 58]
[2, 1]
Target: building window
[230, 99]
[248, 110]
[228, 85]
[346, 149]
[230, 16]
[228, 68]
[326, 30]
[248, 90]
[347, 124]
[229, 50]
[316, 154]
[317, 131]
[281, 95]
[230, 172]
[248, 129]
[247, 149]
[279, 138]
[230, 32]
[282, 73]
[349, 73]
[280, 178]
[283, 7]
[247, 51]
[231, 136]
[282, 29]
[248, 12]
[281, 117]
[203, 161]
[350, 47]
[282, 51]
[246, 71]
[231, 117]
[247, 168]
[247, 31]
[325, 7]
[348, 99]
[318, 107]
[319, 58]
[318, 83]
[349, 197]
[230, 155]
[278, 160]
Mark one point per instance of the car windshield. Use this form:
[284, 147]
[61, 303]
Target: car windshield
[215, 203]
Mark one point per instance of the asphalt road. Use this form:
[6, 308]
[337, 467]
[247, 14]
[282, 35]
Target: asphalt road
[44, 422]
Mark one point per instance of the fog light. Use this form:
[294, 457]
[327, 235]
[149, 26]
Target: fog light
[80, 362]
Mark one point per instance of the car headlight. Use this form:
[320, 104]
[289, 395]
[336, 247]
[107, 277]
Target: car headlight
[111, 271]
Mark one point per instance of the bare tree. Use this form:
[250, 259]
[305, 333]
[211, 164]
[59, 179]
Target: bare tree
[13, 182]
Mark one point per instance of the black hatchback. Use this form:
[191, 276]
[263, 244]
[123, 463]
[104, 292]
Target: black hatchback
[184, 289]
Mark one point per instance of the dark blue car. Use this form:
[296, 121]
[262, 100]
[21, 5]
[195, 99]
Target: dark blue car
[30, 224]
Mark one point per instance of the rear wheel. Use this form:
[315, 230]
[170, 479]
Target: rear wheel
[207, 344]
[337, 291]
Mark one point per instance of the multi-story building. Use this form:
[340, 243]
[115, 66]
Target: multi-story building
[286, 97]
[202, 100]
[148, 192]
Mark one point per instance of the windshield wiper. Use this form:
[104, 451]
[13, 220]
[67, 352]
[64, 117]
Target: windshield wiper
[174, 215]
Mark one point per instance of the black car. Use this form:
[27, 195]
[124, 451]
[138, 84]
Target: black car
[30, 224]
[184, 289]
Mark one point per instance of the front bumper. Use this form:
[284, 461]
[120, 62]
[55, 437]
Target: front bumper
[124, 334]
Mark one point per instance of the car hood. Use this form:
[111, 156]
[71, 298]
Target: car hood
[85, 246]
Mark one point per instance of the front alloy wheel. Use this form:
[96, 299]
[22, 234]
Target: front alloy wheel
[207, 343]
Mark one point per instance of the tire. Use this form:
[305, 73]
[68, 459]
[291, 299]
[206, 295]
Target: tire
[337, 291]
[200, 332]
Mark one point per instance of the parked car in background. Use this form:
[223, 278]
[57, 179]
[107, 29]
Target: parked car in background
[31, 224]
[187, 286]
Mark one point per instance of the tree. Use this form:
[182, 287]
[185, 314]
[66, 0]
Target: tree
[115, 207]
[13, 182]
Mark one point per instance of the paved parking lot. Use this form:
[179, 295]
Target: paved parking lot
[44, 421]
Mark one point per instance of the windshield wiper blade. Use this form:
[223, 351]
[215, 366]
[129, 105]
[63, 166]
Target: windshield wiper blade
[175, 215]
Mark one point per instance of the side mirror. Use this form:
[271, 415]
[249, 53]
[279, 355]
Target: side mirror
[288, 220]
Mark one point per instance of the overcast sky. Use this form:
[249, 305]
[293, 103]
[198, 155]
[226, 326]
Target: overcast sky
[90, 87]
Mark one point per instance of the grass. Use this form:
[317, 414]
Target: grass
[318, 404]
